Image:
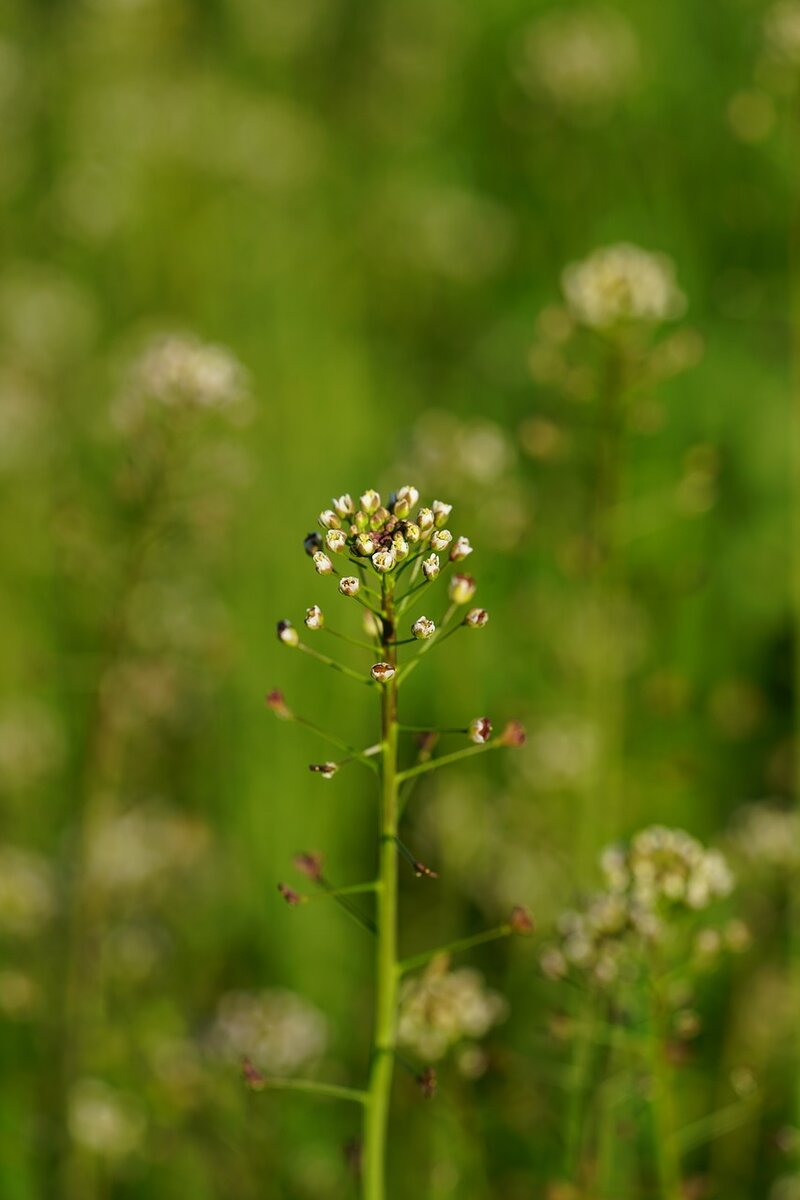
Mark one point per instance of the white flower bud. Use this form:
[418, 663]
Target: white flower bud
[382, 672]
[460, 549]
[430, 566]
[409, 493]
[329, 520]
[370, 501]
[288, 634]
[423, 628]
[476, 618]
[462, 588]
[314, 617]
[336, 540]
[400, 547]
[441, 512]
[441, 539]
[349, 585]
[425, 519]
[384, 560]
[411, 531]
[365, 544]
[322, 563]
[344, 505]
[480, 730]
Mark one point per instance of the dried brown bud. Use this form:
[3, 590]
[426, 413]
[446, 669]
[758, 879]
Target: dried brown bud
[521, 921]
[513, 734]
[309, 863]
[480, 730]
[420, 869]
[476, 618]
[276, 703]
[427, 1083]
[327, 769]
[382, 672]
[312, 542]
[252, 1076]
[291, 897]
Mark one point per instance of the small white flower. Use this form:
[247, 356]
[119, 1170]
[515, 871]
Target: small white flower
[476, 618]
[349, 585]
[336, 540]
[344, 505]
[462, 588]
[370, 501]
[322, 563]
[441, 512]
[409, 493]
[384, 560]
[365, 544]
[425, 519]
[480, 730]
[441, 539]
[382, 672]
[430, 566]
[288, 634]
[460, 549]
[314, 617]
[329, 520]
[423, 628]
[412, 531]
[400, 547]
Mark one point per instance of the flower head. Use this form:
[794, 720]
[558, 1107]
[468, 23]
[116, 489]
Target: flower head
[288, 634]
[349, 585]
[476, 618]
[622, 283]
[423, 628]
[314, 617]
[462, 588]
[480, 730]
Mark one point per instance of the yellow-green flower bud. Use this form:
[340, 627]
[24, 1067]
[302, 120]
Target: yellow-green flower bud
[423, 628]
[462, 589]
[411, 531]
[379, 518]
[370, 501]
[314, 618]
[400, 547]
[441, 512]
[425, 520]
[360, 521]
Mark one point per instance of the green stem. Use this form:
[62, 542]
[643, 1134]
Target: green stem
[419, 960]
[321, 1089]
[665, 1149]
[434, 763]
[376, 1110]
[330, 662]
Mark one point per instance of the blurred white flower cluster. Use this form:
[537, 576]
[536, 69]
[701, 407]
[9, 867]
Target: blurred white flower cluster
[648, 884]
[31, 744]
[138, 849]
[181, 372]
[782, 31]
[583, 60]
[274, 1028]
[104, 1120]
[27, 892]
[620, 284]
[767, 836]
[442, 1008]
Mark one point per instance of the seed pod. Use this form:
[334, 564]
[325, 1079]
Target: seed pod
[423, 628]
[462, 588]
[476, 618]
[382, 672]
[323, 564]
[349, 585]
[288, 634]
[314, 617]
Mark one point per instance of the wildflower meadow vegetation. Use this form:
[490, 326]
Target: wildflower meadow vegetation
[276, 921]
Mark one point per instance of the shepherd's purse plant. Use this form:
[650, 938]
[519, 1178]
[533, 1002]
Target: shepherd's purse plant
[387, 559]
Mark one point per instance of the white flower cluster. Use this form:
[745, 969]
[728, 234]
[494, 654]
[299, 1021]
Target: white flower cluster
[276, 1029]
[622, 283]
[583, 60]
[27, 893]
[647, 884]
[104, 1120]
[765, 835]
[782, 31]
[441, 1008]
[142, 846]
[178, 371]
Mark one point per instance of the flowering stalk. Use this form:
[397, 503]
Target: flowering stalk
[395, 546]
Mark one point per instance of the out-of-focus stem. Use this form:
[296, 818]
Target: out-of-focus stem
[376, 1110]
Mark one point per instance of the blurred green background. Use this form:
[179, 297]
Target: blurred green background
[371, 206]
